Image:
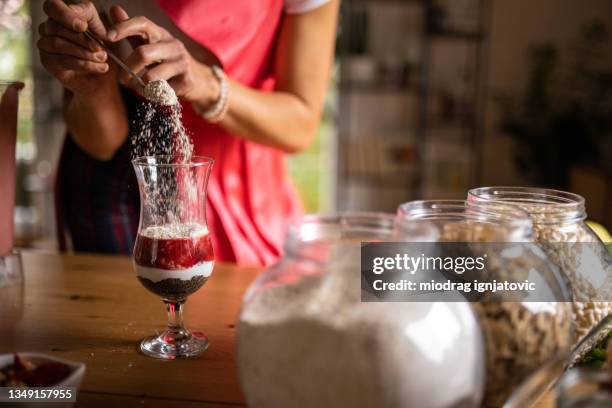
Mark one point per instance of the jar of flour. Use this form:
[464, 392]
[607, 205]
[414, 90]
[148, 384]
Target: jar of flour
[305, 338]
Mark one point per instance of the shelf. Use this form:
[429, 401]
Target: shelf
[375, 2]
[443, 131]
[403, 181]
[456, 34]
[435, 122]
[376, 88]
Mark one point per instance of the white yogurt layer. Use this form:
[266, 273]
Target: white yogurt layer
[158, 274]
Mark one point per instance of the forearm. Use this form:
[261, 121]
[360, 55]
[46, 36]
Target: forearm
[289, 117]
[98, 123]
[278, 119]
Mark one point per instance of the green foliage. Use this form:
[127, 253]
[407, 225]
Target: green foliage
[598, 355]
[307, 170]
[310, 169]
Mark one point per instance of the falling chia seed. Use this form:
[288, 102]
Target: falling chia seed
[157, 130]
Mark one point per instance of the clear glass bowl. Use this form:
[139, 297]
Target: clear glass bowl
[306, 338]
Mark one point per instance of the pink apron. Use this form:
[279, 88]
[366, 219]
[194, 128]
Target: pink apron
[251, 199]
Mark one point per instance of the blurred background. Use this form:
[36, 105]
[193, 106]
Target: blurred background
[428, 98]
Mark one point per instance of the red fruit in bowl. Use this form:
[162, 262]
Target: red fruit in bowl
[20, 364]
[47, 374]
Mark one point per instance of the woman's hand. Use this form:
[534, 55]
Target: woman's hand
[95, 114]
[78, 63]
[161, 56]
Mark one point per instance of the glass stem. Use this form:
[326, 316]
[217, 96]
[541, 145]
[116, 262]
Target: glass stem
[175, 315]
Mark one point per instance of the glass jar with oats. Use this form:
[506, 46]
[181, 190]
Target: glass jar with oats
[523, 329]
[559, 228]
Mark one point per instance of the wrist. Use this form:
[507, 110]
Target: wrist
[210, 90]
[217, 111]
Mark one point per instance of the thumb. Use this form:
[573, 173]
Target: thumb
[87, 11]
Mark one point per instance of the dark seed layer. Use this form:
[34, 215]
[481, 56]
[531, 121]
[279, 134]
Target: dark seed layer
[174, 289]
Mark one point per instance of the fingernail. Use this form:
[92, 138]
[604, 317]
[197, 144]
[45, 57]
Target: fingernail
[103, 68]
[100, 56]
[79, 25]
[112, 34]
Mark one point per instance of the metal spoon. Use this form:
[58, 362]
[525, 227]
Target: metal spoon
[115, 58]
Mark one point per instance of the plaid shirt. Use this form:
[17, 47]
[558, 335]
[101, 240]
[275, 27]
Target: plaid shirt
[97, 202]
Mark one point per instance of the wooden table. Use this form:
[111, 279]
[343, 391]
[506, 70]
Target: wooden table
[92, 309]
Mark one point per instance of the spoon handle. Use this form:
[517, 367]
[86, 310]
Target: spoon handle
[114, 57]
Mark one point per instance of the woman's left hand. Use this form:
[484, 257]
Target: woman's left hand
[164, 57]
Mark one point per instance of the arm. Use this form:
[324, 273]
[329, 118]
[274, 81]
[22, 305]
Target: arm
[289, 117]
[286, 118]
[97, 122]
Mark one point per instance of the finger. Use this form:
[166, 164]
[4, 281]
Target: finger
[50, 62]
[149, 54]
[52, 29]
[88, 11]
[64, 15]
[77, 17]
[138, 27]
[57, 64]
[59, 45]
[179, 84]
[166, 70]
[118, 14]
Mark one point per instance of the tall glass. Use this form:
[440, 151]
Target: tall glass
[173, 254]
[10, 262]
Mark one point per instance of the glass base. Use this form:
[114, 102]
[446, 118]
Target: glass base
[11, 269]
[172, 344]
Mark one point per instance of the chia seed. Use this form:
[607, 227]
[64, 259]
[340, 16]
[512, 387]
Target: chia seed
[160, 91]
[174, 289]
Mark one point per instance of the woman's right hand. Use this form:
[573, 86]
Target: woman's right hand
[78, 63]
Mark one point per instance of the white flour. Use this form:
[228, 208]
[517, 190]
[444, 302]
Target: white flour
[311, 342]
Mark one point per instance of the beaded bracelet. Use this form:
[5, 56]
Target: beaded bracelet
[217, 112]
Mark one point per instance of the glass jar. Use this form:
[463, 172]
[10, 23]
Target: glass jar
[9, 107]
[520, 335]
[306, 338]
[559, 228]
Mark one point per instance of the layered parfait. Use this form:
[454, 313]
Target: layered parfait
[173, 261]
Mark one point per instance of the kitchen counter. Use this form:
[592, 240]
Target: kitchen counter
[91, 308]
